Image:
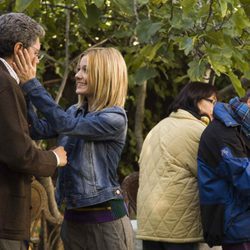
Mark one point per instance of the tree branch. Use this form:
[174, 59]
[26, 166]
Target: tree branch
[230, 91]
[59, 6]
[50, 82]
[172, 10]
[136, 13]
[209, 14]
[66, 71]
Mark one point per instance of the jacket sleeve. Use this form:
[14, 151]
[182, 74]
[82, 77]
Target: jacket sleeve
[235, 165]
[17, 150]
[103, 126]
[39, 128]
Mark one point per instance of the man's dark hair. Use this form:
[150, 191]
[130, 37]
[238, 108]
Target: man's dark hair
[17, 27]
[190, 95]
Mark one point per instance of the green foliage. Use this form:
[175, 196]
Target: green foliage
[146, 29]
[99, 3]
[142, 2]
[196, 70]
[124, 6]
[82, 7]
[185, 43]
[237, 84]
[144, 74]
[246, 6]
[21, 5]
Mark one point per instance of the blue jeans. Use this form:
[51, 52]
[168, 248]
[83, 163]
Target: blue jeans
[157, 245]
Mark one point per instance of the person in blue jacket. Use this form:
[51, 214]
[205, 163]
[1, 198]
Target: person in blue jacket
[93, 133]
[224, 176]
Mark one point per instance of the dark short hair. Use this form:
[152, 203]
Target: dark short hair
[17, 27]
[190, 95]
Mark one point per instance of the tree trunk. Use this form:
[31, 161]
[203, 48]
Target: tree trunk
[139, 115]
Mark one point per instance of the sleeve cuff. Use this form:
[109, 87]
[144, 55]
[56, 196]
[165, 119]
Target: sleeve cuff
[57, 159]
[30, 85]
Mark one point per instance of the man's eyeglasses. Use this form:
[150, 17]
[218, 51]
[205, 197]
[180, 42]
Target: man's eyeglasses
[38, 53]
[210, 100]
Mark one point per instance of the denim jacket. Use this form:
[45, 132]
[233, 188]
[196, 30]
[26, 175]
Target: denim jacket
[94, 142]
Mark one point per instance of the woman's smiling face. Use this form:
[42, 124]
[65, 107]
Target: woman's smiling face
[82, 86]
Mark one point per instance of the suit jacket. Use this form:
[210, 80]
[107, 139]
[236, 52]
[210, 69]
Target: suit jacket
[19, 160]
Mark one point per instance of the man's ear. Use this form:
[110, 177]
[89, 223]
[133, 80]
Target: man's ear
[17, 47]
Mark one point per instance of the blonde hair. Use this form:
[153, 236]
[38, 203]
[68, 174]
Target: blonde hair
[107, 78]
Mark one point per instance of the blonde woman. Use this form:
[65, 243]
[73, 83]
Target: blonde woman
[93, 133]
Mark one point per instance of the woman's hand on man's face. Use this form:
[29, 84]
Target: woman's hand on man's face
[24, 67]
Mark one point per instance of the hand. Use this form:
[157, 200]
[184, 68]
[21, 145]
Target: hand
[25, 69]
[62, 154]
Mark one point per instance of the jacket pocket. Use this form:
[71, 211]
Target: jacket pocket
[212, 218]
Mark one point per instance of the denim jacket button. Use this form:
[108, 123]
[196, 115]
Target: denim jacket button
[118, 192]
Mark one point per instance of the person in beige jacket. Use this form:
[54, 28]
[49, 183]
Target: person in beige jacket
[168, 213]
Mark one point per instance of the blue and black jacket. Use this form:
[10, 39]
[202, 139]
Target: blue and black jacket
[224, 180]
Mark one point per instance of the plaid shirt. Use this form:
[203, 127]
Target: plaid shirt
[241, 113]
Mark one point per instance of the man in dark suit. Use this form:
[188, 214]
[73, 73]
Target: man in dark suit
[19, 156]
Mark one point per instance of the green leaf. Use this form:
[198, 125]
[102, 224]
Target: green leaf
[150, 51]
[219, 59]
[215, 37]
[196, 70]
[240, 62]
[123, 34]
[144, 56]
[186, 44]
[246, 6]
[144, 74]
[223, 7]
[93, 16]
[188, 6]
[146, 29]
[32, 8]
[82, 7]
[21, 5]
[142, 2]
[182, 22]
[180, 79]
[158, 1]
[126, 6]
[98, 3]
[240, 21]
[236, 83]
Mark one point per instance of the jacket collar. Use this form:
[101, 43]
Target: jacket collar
[184, 114]
[223, 114]
[10, 70]
[3, 67]
[181, 113]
